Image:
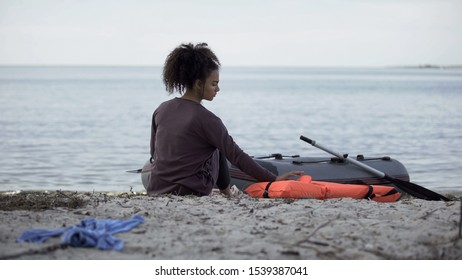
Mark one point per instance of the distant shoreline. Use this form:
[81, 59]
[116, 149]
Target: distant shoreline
[429, 66]
[420, 66]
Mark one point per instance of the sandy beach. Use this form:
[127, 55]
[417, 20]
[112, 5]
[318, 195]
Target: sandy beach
[220, 228]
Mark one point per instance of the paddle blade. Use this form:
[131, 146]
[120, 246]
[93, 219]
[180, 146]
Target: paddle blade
[416, 190]
[135, 171]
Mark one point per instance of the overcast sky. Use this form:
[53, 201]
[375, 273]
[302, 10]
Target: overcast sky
[241, 32]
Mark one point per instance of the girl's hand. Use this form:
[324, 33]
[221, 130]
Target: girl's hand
[287, 175]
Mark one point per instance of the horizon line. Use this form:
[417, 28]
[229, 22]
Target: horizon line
[420, 66]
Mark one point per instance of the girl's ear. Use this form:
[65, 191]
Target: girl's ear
[198, 84]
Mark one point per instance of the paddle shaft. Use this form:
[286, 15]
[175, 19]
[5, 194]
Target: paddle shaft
[376, 172]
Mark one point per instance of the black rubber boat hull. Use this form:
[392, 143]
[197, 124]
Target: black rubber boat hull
[325, 169]
[319, 168]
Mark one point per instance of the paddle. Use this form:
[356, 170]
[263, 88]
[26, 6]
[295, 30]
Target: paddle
[411, 188]
[135, 171]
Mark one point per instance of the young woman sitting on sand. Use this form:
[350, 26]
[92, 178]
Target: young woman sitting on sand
[189, 144]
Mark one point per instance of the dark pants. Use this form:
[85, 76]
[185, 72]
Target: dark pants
[223, 179]
[223, 173]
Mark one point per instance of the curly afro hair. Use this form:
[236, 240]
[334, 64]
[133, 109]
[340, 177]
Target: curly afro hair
[186, 64]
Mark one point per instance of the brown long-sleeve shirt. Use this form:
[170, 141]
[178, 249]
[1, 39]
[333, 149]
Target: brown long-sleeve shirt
[185, 140]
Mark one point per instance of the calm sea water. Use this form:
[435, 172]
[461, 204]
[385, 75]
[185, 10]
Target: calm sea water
[82, 128]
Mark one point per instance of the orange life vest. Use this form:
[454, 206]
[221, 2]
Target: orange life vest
[304, 187]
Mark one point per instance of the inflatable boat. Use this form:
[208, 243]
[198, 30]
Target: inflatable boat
[381, 179]
[319, 168]
[324, 169]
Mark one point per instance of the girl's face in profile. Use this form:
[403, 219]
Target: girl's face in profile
[211, 85]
